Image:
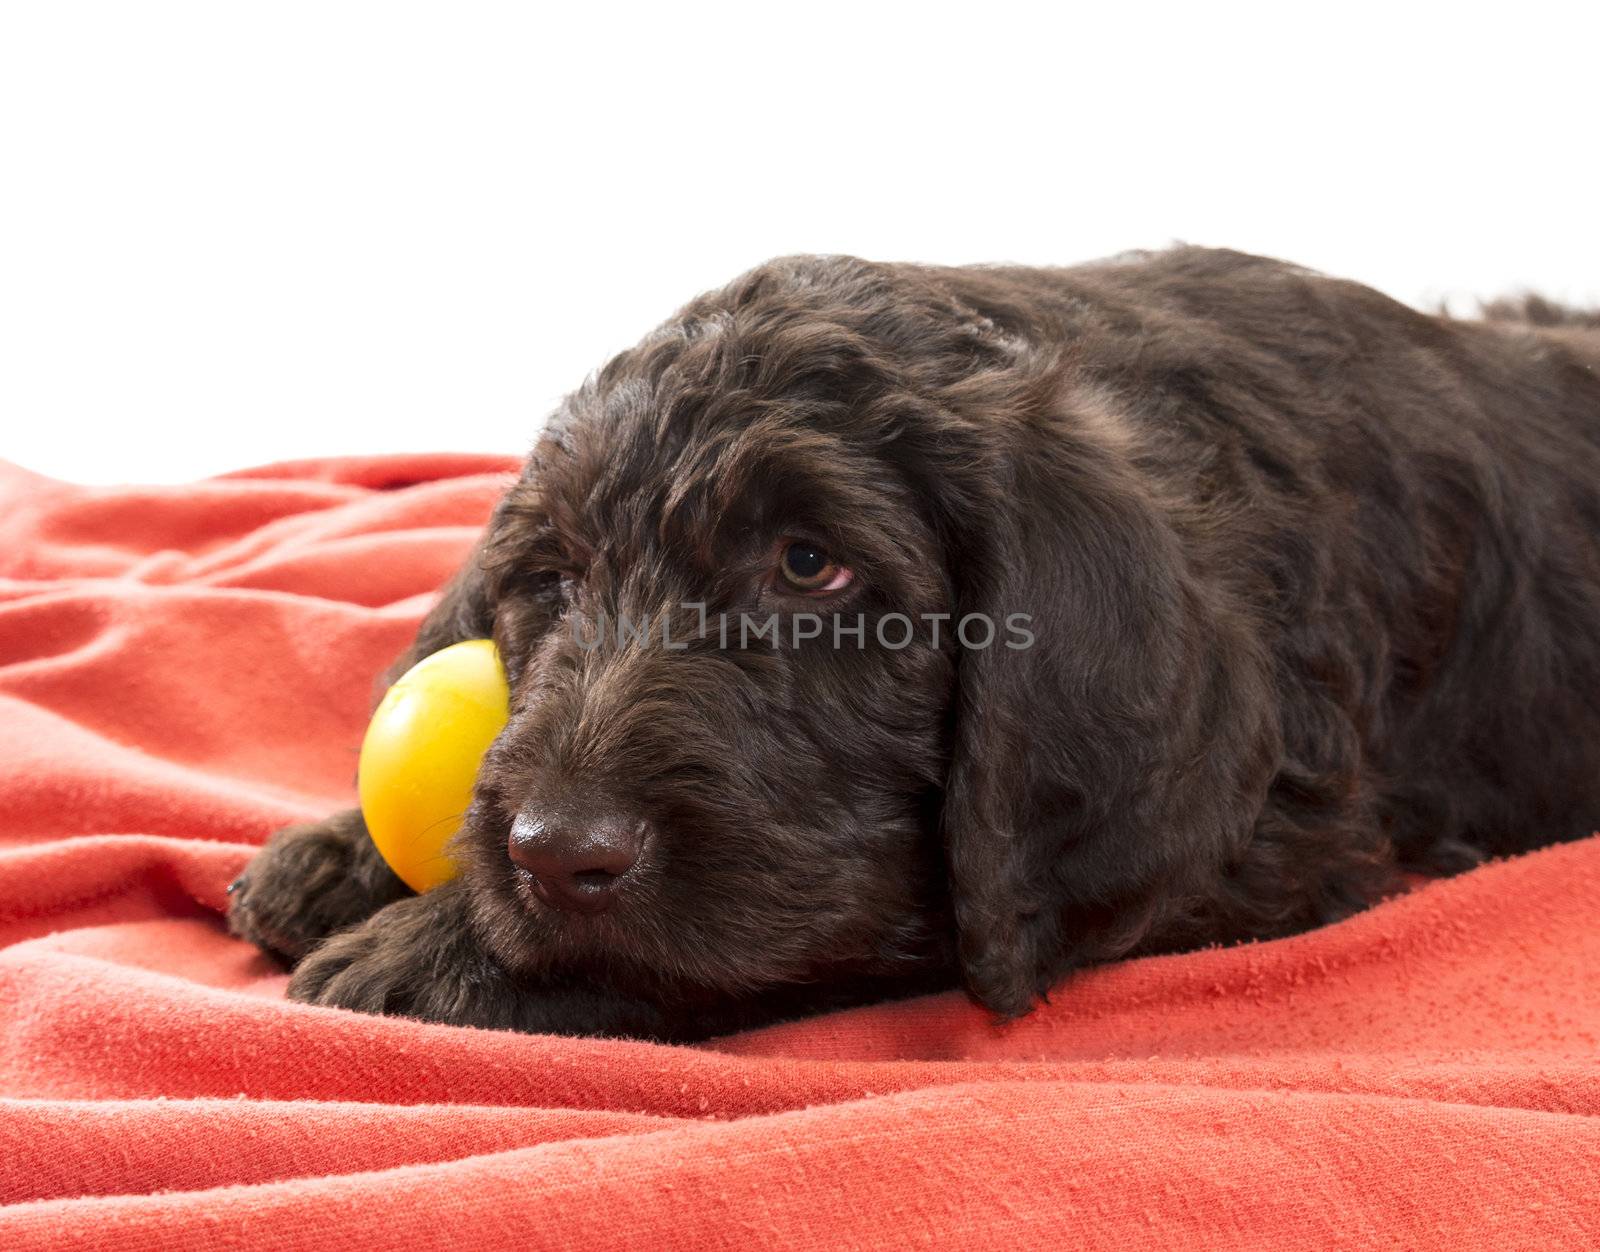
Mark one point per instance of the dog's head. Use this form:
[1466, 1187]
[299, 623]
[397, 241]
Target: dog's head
[844, 638]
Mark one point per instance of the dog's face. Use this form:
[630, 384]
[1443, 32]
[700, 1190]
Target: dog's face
[747, 744]
[715, 774]
[670, 579]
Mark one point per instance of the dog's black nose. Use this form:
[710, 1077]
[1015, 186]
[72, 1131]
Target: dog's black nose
[578, 866]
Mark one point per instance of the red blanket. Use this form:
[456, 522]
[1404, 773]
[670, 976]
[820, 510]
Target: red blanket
[183, 670]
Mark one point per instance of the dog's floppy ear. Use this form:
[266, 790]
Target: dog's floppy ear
[1103, 768]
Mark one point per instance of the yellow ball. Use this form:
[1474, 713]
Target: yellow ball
[421, 757]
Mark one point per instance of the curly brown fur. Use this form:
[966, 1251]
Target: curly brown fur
[1313, 580]
[308, 882]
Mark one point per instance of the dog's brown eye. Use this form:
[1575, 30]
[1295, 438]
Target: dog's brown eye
[807, 567]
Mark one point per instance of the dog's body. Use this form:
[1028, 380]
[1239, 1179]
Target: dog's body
[1312, 582]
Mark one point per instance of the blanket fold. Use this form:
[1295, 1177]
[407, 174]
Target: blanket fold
[183, 670]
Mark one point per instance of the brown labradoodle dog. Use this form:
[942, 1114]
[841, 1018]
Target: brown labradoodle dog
[876, 629]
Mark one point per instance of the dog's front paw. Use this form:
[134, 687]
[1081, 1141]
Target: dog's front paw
[420, 958]
[414, 958]
[359, 969]
[309, 882]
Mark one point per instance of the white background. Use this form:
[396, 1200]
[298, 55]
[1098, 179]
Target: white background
[235, 233]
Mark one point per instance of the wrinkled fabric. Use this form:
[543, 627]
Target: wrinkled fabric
[183, 670]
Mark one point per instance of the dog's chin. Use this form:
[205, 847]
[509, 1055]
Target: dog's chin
[630, 946]
[676, 934]
[627, 943]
